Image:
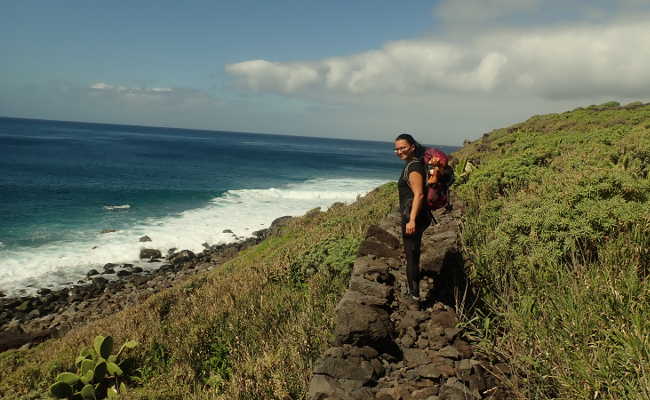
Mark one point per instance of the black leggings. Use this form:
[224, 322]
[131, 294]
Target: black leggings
[412, 244]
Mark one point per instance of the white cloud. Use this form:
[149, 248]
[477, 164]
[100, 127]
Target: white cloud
[401, 66]
[129, 90]
[101, 86]
[565, 62]
[281, 77]
[150, 95]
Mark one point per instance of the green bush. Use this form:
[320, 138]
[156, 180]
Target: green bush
[557, 232]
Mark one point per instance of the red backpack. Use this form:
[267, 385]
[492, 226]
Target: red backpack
[440, 177]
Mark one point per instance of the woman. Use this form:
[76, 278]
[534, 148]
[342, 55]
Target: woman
[415, 216]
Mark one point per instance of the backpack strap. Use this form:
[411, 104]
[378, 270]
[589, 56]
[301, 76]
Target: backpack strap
[405, 172]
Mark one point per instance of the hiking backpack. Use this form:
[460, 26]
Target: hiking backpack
[440, 176]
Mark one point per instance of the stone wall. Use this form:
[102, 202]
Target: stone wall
[388, 347]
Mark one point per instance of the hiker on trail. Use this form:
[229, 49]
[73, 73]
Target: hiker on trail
[415, 215]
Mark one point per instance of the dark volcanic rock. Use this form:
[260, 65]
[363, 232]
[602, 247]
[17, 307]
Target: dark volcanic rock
[150, 253]
[144, 238]
[278, 224]
[181, 257]
[383, 236]
[99, 282]
[360, 323]
[11, 339]
[92, 272]
[379, 249]
[417, 350]
[124, 272]
[109, 266]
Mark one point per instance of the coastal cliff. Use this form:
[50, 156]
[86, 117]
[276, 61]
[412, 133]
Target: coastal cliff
[548, 297]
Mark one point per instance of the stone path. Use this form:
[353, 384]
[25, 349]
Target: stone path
[387, 347]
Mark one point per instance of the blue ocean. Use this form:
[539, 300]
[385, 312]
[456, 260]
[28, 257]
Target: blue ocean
[74, 196]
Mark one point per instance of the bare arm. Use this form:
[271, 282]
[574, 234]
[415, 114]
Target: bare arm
[416, 182]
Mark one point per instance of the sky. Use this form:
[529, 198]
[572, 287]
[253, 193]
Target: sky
[445, 71]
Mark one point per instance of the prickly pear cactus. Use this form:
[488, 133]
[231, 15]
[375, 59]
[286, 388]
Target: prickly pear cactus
[99, 373]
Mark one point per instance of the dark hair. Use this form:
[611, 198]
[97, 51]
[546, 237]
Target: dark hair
[419, 149]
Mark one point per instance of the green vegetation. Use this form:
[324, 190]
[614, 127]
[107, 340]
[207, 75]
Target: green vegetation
[557, 242]
[100, 374]
[557, 233]
[250, 329]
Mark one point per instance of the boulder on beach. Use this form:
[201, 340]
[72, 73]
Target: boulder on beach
[99, 282]
[123, 272]
[108, 230]
[92, 272]
[145, 238]
[150, 253]
[181, 257]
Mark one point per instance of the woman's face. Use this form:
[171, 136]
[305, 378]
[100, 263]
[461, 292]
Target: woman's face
[403, 149]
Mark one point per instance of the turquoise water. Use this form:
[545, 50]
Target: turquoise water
[182, 188]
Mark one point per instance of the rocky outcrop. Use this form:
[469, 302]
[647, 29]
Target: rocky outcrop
[387, 346]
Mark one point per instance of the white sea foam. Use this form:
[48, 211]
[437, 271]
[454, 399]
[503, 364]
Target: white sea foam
[240, 211]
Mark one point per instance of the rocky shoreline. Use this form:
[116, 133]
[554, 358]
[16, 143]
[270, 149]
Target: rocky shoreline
[28, 320]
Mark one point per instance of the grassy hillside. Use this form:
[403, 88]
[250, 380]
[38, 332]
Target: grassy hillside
[247, 330]
[557, 232]
[557, 239]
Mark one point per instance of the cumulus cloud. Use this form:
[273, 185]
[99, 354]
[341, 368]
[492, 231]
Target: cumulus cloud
[281, 77]
[563, 62]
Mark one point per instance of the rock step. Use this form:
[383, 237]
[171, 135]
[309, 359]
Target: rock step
[388, 347]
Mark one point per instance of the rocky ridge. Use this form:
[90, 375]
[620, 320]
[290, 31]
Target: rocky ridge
[387, 347]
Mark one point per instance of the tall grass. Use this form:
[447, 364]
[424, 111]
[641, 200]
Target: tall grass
[557, 233]
[250, 329]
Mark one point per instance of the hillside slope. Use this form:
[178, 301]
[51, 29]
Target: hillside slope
[557, 233]
[250, 328]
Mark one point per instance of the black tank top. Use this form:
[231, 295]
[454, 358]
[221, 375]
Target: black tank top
[405, 192]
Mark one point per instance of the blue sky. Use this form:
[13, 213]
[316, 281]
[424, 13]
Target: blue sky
[444, 70]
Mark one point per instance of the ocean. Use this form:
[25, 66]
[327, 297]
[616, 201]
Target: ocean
[75, 196]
